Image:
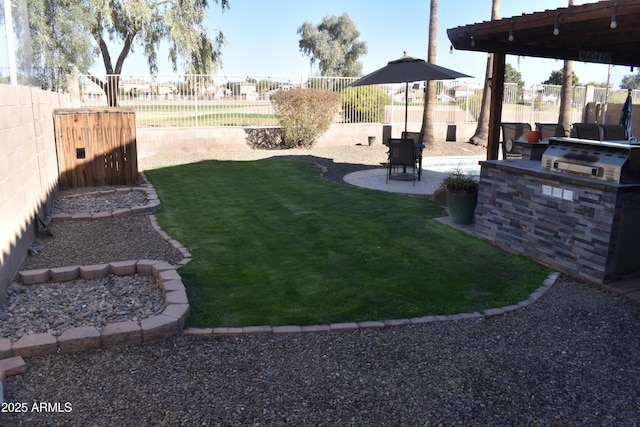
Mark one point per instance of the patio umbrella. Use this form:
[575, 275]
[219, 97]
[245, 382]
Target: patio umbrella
[626, 116]
[406, 70]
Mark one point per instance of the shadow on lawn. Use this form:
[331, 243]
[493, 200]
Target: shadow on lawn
[333, 171]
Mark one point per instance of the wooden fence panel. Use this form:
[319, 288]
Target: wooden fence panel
[96, 147]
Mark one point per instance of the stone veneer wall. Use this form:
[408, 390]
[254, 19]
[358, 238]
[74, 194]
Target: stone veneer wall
[574, 229]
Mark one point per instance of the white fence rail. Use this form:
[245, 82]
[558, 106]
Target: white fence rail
[210, 100]
[213, 100]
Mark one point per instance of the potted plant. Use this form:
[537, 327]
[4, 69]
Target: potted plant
[462, 196]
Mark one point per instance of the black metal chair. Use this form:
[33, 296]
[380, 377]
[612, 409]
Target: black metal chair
[549, 130]
[401, 154]
[586, 131]
[510, 133]
[613, 133]
[419, 147]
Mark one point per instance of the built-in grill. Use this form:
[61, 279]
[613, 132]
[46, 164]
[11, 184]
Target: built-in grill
[617, 161]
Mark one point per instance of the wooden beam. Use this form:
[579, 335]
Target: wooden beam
[495, 112]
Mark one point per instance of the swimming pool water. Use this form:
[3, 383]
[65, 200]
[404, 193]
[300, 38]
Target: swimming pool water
[468, 165]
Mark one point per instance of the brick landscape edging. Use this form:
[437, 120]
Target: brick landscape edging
[352, 326]
[151, 329]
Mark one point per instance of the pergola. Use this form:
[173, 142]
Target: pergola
[604, 32]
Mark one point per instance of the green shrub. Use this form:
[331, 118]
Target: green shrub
[304, 114]
[364, 104]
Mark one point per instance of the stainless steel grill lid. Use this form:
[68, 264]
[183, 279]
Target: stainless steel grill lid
[616, 161]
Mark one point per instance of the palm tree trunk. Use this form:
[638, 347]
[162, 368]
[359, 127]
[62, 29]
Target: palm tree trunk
[430, 86]
[481, 135]
[566, 92]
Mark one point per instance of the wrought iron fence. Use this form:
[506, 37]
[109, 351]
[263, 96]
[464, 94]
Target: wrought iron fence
[213, 100]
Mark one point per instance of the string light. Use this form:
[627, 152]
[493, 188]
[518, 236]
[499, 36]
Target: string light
[511, 32]
[614, 18]
[556, 28]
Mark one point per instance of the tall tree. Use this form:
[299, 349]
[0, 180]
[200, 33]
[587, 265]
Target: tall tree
[630, 81]
[333, 45]
[48, 44]
[482, 130]
[557, 77]
[430, 86]
[127, 25]
[566, 91]
[511, 75]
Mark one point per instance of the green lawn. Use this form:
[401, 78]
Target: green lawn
[274, 243]
[219, 119]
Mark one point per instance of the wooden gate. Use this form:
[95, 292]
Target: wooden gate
[96, 147]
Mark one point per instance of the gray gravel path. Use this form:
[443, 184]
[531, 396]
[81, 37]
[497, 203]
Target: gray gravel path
[570, 359]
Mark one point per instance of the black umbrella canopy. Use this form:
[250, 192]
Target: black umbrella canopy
[408, 69]
[404, 70]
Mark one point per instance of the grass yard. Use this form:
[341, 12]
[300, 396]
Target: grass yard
[274, 243]
[220, 119]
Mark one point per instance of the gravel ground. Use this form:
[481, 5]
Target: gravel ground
[55, 307]
[570, 359]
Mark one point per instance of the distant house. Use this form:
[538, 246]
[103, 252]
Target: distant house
[139, 85]
[461, 93]
[245, 91]
[91, 91]
[167, 89]
[415, 94]
[281, 86]
[444, 98]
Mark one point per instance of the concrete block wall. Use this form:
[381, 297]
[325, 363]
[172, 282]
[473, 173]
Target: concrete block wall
[234, 138]
[574, 229]
[28, 169]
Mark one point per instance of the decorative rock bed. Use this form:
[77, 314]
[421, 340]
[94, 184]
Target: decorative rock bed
[151, 329]
[115, 202]
[137, 200]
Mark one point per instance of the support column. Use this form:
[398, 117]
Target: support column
[495, 112]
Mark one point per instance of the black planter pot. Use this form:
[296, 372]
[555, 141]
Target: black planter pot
[461, 205]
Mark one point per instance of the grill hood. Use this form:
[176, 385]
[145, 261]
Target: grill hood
[617, 161]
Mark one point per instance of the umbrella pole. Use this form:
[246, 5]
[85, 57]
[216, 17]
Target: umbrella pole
[406, 105]
[406, 115]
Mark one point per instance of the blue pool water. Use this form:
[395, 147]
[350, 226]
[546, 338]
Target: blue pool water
[467, 164]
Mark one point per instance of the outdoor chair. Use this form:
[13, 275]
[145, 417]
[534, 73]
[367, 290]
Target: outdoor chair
[613, 133]
[402, 154]
[550, 130]
[586, 131]
[512, 132]
[417, 144]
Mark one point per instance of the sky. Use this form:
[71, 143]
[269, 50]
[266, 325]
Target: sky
[263, 40]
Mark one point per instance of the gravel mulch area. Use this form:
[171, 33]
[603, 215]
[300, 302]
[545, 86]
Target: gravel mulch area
[99, 241]
[572, 358]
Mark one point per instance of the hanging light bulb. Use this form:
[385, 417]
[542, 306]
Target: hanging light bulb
[473, 40]
[511, 32]
[556, 28]
[451, 49]
[614, 19]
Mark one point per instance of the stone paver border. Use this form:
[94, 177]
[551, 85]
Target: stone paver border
[352, 326]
